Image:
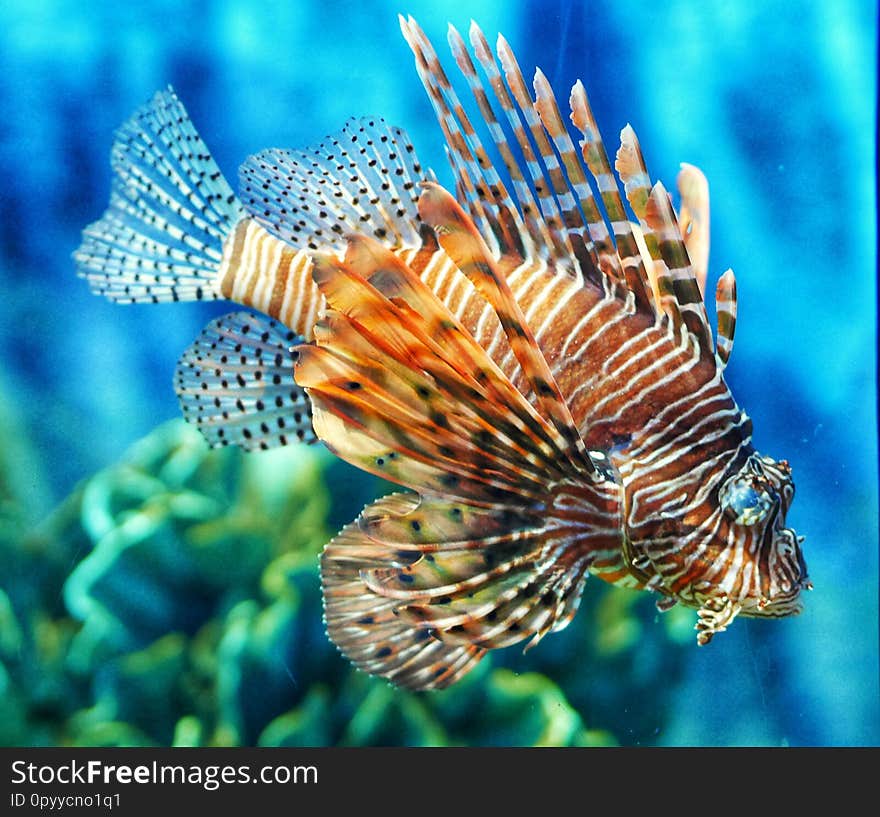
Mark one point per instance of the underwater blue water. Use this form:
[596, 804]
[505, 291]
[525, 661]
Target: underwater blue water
[775, 101]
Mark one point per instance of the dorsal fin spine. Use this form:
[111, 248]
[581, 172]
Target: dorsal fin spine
[725, 308]
[536, 226]
[683, 283]
[508, 210]
[549, 207]
[457, 128]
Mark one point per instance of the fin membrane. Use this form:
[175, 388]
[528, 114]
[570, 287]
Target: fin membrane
[171, 210]
[361, 180]
[368, 629]
[236, 384]
[556, 213]
[510, 510]
[693, 219]
[419, 590]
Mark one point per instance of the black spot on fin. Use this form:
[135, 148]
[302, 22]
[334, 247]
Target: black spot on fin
[236, 383]
[362, 180]
[161, 238]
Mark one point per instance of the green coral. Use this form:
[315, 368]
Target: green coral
[173, 599]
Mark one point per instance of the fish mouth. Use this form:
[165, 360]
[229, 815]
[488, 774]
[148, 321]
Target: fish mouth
[787, 574]
[782, 604]
[793, 606]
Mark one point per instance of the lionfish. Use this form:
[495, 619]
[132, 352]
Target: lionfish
[531, 362]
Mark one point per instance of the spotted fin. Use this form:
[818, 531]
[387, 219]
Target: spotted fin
[236, 384]
[171, 210]
[418, 590]
[485, 576]
[361, 180]
[509, 513]
[367, 628]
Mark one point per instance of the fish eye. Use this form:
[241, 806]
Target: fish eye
[745, 500]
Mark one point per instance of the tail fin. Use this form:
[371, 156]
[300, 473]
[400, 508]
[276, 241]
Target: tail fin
[161, 238]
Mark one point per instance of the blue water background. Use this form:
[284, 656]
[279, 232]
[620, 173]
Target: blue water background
[775, 101]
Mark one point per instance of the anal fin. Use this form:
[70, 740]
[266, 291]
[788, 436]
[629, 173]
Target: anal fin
[235, 382]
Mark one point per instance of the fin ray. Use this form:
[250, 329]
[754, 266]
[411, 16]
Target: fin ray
[494, 547]
[235, 382]
[361, 180]
[725, 309]
[367, 628]
[171, 210]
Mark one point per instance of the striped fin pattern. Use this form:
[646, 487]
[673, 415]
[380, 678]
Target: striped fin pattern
[488, 197]
[630, 166]
[693, 230]
[676, 276]
[593, 151]
[509, 514]
[559, 217]
[548, 181]
[725, 309]
[161, 239]
[458, 235]
[549, 204]
[534, 227]
[361, 180]
[236, 384]
[367, 628]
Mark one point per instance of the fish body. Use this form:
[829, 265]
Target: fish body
[536, 368]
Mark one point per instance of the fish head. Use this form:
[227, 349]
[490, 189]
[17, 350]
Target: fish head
[757, 498]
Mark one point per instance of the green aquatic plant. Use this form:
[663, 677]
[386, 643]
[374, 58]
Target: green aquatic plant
[174, 599]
